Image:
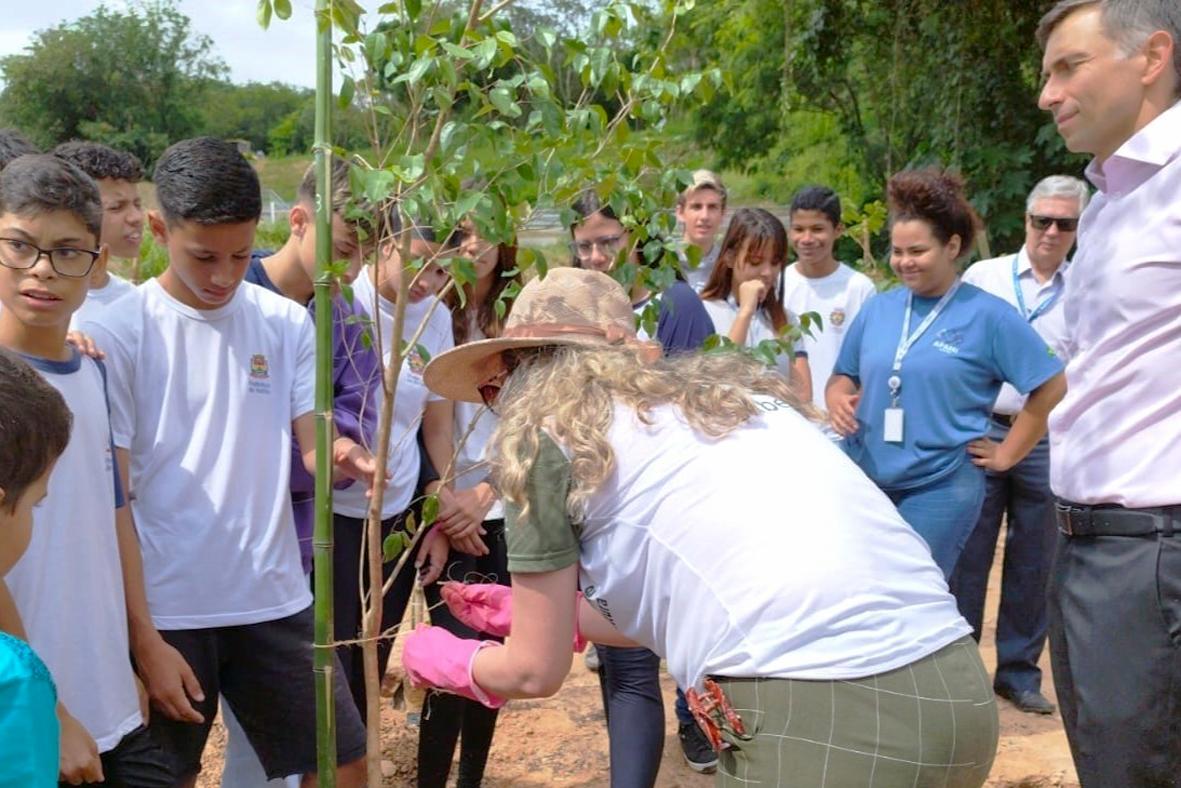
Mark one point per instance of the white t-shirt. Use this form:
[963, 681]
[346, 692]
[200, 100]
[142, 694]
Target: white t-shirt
[471, 460]
[697, 277]
[736, 557]
[837, 298]
[98, 299]
[410, 400]
[724, 313]
[204, 401]
[68, 586]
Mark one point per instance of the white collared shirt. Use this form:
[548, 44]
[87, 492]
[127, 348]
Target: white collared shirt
[1116, 437]
[995, 276]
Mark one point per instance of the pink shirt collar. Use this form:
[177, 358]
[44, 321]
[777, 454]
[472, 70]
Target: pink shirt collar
[1143, 154]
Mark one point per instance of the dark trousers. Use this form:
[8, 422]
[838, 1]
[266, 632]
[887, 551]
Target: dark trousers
[347, 575]
[448, 718]
[1021, 496]
[135, 762]
[630, 681]
[1115, 648]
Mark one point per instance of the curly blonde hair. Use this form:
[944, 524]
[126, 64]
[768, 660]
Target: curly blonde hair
[570, 393]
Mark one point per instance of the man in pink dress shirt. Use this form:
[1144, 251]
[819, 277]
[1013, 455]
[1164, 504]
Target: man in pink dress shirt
[1113, 78]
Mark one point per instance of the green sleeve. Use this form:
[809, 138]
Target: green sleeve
[546, 541]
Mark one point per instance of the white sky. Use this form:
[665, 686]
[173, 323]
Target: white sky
[285, 53]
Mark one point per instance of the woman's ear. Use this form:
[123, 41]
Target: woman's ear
[955, 245]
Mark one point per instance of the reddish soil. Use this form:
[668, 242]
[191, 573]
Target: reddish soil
[562, 741]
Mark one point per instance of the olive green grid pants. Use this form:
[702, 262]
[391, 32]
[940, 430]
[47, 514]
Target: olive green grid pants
[931, 723]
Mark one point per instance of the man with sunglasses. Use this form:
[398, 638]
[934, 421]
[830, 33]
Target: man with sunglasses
[1032, 280]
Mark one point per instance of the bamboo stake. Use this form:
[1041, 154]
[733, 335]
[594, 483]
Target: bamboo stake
[322, 542]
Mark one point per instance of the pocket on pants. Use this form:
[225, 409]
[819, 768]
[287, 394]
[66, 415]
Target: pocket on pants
[1168, 585]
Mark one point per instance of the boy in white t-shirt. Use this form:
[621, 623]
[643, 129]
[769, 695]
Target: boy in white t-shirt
[700, 208]
[80, 581]
[209, 383]
[117, 174]
[817, 282]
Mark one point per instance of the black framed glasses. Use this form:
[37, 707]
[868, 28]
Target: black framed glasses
[65, 260]
[1066, 225]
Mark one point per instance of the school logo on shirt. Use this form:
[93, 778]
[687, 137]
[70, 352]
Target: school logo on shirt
[260, 373]
[414, 359]
[948, 341]
[836, 318]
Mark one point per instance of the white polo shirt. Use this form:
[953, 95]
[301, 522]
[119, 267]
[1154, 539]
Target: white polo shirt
[996, 276]
[1116, 437]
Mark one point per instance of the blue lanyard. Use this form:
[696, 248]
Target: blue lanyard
[1041, 308]
[908, 338]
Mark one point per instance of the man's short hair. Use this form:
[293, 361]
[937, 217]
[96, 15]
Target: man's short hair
[41, 183]
[818, 198]
[357, 212]
[703, 179]
[34, 427]
[1126, 22]
[207, 181]
[13, 145]
[102, 162]
[1063, 186]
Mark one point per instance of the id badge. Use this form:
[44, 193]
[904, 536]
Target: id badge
[892, 431]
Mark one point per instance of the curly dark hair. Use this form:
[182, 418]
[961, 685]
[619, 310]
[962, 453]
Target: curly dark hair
[101, 161]
[936, 198]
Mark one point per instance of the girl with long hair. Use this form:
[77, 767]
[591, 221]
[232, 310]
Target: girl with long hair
[814, 629]
[914, 384]
[476, 314]
[744, 293]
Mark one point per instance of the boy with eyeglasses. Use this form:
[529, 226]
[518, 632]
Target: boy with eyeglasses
[74, 589]
[1032, 280]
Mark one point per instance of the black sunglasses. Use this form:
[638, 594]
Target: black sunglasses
[1044, 222]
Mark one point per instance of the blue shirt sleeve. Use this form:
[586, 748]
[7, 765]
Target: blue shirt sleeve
[120, 498]
[849, 359]
[683, 324]
[1021, 355]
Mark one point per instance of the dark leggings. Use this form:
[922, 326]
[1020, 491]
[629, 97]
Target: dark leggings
[630, 681]
[346, 566]
[445, 717]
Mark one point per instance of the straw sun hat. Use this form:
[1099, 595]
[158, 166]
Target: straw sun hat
[569, 306]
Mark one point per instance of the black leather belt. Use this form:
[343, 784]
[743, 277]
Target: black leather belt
[1076, 519]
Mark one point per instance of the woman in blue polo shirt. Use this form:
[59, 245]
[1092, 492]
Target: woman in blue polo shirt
[921, 365]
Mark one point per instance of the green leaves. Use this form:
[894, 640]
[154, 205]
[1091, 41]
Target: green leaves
[394, 545]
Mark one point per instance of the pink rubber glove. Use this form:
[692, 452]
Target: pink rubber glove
[485, 607]
[435, 658]
[488, 608]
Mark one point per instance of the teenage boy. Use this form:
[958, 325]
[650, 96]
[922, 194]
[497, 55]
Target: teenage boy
[118, 175]
[699, 210]
[33, 436]
[80, 580]
[817, 282]
[210, 381]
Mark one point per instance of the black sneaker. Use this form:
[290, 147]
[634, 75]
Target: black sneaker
[700, 756]
[1030, 702]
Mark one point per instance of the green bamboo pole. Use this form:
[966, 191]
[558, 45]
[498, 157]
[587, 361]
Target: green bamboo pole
[322, 537]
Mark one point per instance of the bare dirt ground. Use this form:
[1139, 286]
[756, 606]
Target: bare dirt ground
[562, 741]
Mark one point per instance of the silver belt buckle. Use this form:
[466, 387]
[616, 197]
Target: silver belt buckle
[1065, 518]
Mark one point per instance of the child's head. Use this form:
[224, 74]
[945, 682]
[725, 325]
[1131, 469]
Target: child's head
[932, 226]
[118, 175]
[34, 430]
[597, 234]
[391, 266]
[492, 263]
[13, 145]
[815, 224]
[210, 204]
[755, 247]
[50, 229]
[700, 208]
[352, 238]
